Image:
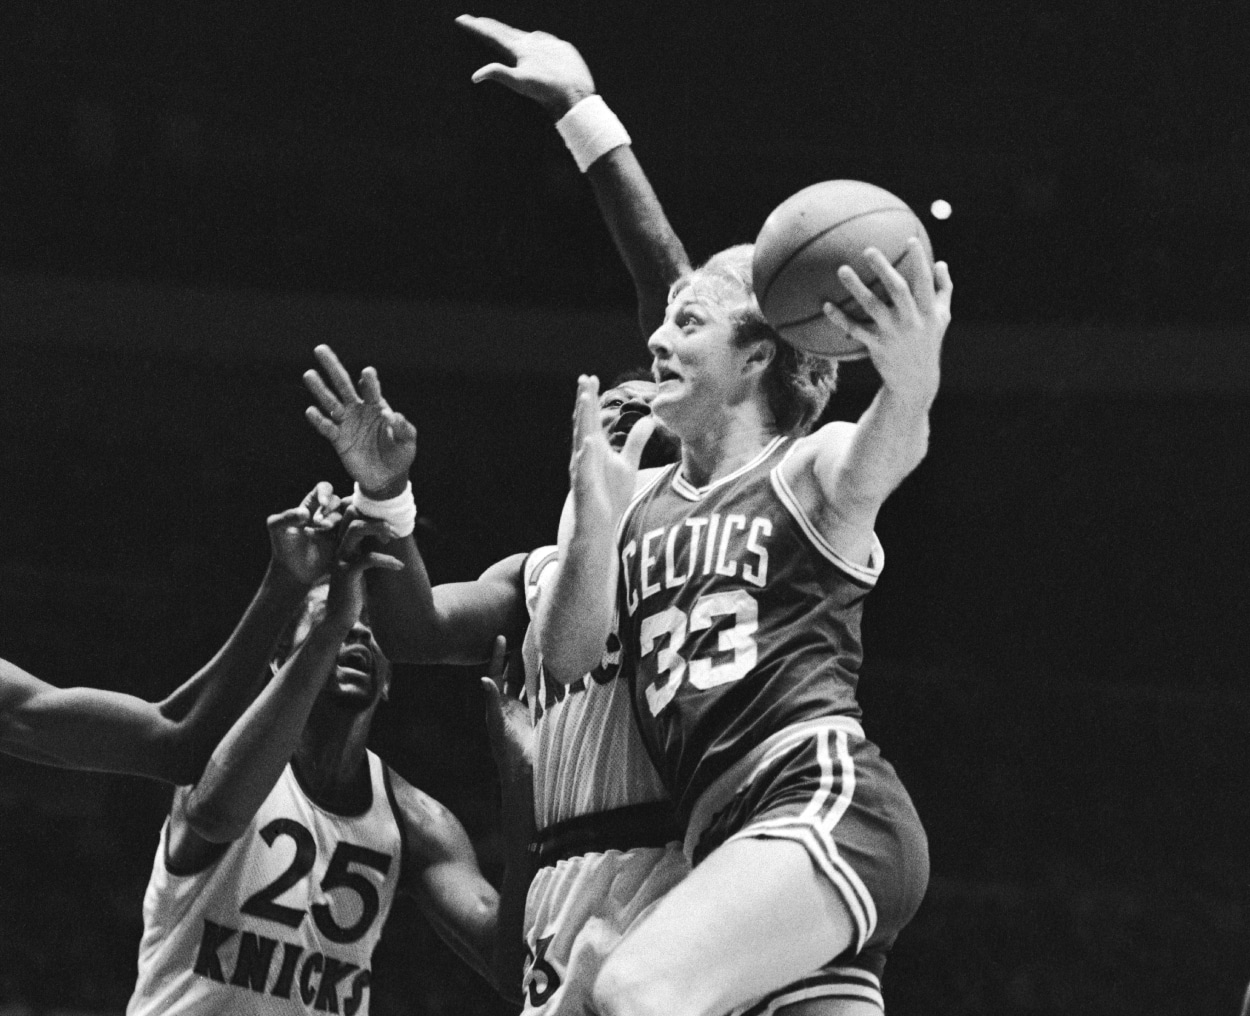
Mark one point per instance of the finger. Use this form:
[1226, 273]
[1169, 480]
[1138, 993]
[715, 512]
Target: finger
[586, 409]
[326, 399]
[291, 517]
[376, 559]
[337, 373]
[943, 284]
[498, 661]
[328, 429]
[639, 435]
[919, 274]
[496, 34]
[371, 387]
[399, 430]
[868, 300]
[843, 321]
[889, 276]
[355, 531]
[497, 72]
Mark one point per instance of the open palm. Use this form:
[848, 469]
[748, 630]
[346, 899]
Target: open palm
[375, 444]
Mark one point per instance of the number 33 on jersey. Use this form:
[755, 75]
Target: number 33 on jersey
[291, 911]
[737, 617]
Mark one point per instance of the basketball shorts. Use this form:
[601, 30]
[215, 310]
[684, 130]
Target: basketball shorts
[576, 912]
[823, 785]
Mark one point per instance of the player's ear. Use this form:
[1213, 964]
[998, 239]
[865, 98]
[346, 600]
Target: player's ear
[761, 352]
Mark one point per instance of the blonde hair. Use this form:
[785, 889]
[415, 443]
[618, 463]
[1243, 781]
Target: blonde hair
[797, 384]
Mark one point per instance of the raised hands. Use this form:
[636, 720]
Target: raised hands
[375, 444]
[602, 481]
[904, 338]
[346, 598]
[541, 67]
[303, 540]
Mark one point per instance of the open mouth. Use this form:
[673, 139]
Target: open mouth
[355, 662]
[664, 373]
[621, 428]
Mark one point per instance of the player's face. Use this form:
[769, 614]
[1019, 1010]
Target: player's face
[697, 365]
[623, 406]
[361, 672]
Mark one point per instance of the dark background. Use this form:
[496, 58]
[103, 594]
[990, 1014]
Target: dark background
[192, 196]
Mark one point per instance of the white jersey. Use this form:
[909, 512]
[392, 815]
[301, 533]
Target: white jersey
[285, 921]
[588, 754]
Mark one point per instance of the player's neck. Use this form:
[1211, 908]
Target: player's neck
[724, 445]
[331, 762]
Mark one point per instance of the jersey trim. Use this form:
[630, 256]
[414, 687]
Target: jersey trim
[752, 764]
[865, 575]
[830, 982]
[535, 564]
[685, 489]
[398, 816]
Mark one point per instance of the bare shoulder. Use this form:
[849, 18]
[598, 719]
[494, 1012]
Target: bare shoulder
[434, 833]
[647, 476]
[508, 571]
[826, 446]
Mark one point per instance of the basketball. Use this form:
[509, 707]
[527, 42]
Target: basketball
[804, 242]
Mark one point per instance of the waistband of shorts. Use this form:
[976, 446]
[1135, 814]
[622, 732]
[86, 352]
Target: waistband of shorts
[742, 772]
[652, 824]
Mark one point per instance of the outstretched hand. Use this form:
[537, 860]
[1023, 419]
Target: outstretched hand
[352, 559]
[904, 337]
[375, 444]
[602, 481]
[303, 540]
[541, 67]
[508, 725]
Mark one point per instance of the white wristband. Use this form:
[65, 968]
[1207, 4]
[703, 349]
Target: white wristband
[591, 130]
[398, 512]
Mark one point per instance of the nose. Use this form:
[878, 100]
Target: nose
[636, 407]
[360, 633]
[660, 344]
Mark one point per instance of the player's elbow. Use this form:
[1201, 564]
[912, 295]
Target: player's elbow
[564, 661]
[213, 821]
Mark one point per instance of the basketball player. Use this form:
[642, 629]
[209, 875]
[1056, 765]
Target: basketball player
[742, 574]
[91, 728]
[276, 870]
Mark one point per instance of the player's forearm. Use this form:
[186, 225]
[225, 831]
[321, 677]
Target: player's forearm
[574, 614]
[205, 707]
[247, 763]
[401, 606]
[646, 242]
[79, 728]
[891, 440]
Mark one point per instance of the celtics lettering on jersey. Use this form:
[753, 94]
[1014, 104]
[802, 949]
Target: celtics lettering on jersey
[738, 618]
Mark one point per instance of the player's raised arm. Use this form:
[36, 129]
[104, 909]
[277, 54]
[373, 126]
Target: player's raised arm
[574, 616]
[441, 872]
[552, 72]
[91, 728]
[247, 763]
[855, 471]
[413, 621]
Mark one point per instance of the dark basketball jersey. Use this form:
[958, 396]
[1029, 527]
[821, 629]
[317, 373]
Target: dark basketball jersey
[738, 619]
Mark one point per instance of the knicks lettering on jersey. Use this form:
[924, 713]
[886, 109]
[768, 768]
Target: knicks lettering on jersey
[315, 979]
[698, 547]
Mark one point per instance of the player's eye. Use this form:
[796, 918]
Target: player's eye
[612, 404]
